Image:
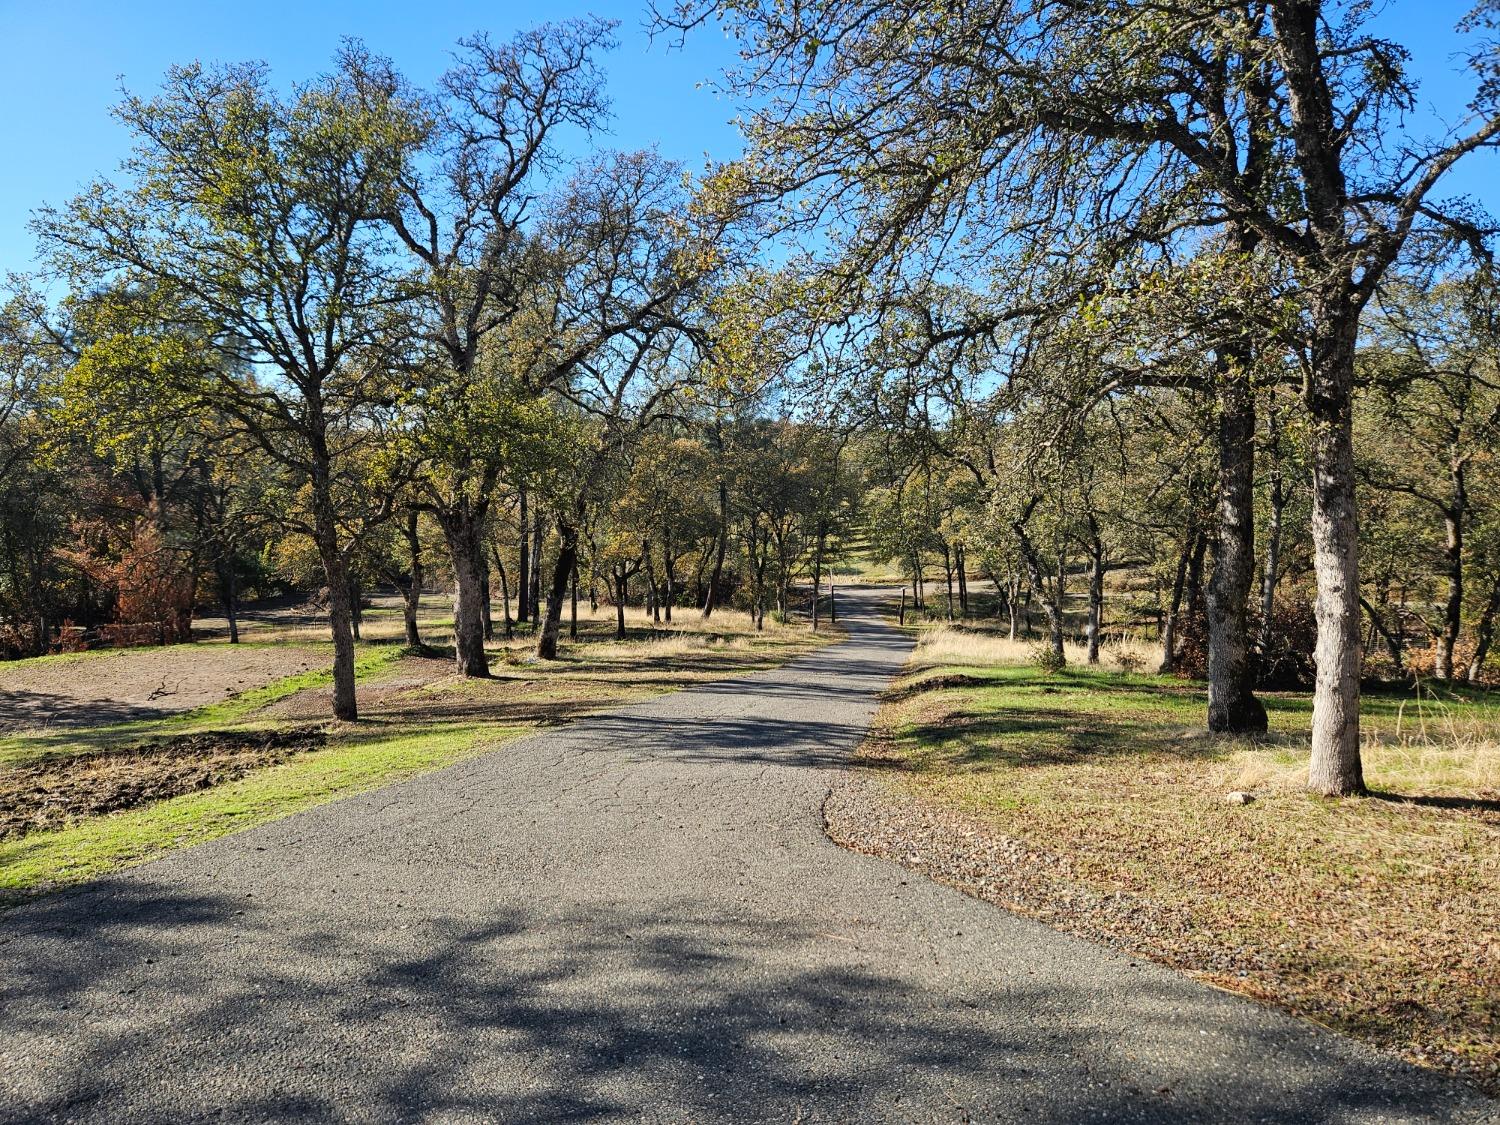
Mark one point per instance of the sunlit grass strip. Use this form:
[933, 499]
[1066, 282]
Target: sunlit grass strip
[49, 860]
[27, 749]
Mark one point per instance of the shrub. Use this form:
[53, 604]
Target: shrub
[1048, 660]
[1287, 662]
[1192, 646]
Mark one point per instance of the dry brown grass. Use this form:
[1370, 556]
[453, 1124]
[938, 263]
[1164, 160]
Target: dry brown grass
[592, 672]
[1376, 916]
[383, 625]
[940, 645]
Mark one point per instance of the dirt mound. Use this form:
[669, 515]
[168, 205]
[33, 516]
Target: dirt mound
[52, 794]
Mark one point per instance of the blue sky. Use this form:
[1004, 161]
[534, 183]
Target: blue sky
[61, 64]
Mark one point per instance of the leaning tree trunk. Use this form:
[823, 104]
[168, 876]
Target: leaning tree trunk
[562, 570]
[1391, 637]
[1232, 706]
[1484, 632]
[463, 530]
[1033, 565]
[1335, 769]
[336, 572]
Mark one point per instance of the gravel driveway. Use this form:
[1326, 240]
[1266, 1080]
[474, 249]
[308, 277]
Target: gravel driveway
[636, 917]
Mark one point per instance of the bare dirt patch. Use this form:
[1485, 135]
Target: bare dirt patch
[52, 795]
[139, 683]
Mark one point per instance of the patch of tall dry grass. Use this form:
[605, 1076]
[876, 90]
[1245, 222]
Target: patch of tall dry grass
[1431, 747]
[950, 644]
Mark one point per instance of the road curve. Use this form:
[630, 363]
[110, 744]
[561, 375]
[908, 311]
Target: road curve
[635, 917]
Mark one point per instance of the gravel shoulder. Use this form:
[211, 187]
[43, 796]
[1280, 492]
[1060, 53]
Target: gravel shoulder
[634, 917]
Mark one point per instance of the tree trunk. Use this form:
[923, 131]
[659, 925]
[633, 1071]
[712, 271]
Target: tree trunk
[651, 582]
[484, 598]
[1391, 638]
[620, 594]
[1096, 591]
[1232, 705]
[356, 610]
[537, 536]
[1194, 591]
[1484, 631]
[817, 577]
[567, 557]
[1335, 769]
[462, 529]
[963, 580]
[948, 577]
[712, 600]
[1051, 606]
[523, 566]
[504, 590]
[1174, 609]
[573, 603]
[1272, 570]
[411, 596]
[669, 562]
[1453, 563]
[336, 573]
[758, 610]
[231, 602]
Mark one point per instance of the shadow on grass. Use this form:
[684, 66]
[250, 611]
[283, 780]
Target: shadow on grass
[1430, 801]
[1056, 737]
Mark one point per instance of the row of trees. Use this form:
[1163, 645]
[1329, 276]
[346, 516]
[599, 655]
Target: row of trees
[1124, 500]
[1072, 201]
[361, 297]
[1079, 288]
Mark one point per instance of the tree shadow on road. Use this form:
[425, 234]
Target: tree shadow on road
[139, 1001]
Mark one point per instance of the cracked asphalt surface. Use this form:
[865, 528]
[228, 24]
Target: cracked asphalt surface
[635, 917]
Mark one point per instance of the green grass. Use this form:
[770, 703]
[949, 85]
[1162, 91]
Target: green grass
[453, 718]
[351, 763]
[31, 748]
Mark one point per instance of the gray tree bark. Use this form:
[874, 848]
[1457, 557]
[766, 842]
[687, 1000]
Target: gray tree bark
[1232, 705]
[1335, 769]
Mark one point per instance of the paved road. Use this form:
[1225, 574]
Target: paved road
[636, 917]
